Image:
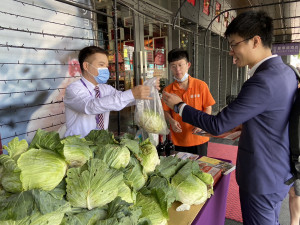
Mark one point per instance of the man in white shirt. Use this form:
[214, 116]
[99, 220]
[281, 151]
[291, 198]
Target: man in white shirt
[82, 105]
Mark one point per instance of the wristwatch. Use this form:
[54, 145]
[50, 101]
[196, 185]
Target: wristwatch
[176, 107]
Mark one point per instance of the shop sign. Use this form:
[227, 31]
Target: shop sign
[193, 2]
[286, 49]
[206, 4]
[226, 16]
[218, 11]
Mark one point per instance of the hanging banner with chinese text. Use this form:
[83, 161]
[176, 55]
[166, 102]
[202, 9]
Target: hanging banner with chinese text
[193, 2]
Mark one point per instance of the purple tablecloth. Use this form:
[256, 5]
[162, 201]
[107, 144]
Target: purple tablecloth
[213, 211]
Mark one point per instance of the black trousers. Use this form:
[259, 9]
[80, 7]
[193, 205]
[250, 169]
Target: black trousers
[197, 149]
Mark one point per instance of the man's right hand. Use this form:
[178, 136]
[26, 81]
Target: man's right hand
[176, 126]
[141, 92]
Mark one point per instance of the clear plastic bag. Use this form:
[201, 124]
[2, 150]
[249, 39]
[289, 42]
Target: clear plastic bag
[149, 114]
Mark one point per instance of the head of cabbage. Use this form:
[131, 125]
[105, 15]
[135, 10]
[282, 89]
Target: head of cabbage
[115, 155]
[152, 122]
[76, 150]
[148, 156]
[41, 169]
[189, 188]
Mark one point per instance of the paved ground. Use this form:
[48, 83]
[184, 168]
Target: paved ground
[284, 217]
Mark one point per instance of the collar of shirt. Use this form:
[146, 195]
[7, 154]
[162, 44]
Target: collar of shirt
[89, 85]
[252, 70]
[177, 87]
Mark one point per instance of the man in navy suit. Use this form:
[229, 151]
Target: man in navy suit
[262, 107]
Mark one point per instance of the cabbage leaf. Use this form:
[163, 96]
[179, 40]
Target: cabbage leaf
[85, 216]
[94, 186]
[46, 140]
[120, 212]
[169, 166]
[10, 177]
[34, 206]
[15, 148]
[134, 176]
[151, 209]
[101, 137]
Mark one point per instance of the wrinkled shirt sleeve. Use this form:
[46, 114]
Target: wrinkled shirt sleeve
[80, 100]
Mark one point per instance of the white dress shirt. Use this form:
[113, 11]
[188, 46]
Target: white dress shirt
[252, 70]
[82, 106]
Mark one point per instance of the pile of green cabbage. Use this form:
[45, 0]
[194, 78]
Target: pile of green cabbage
[96, 180]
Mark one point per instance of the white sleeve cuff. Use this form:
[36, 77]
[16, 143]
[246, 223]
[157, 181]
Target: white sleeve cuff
[181, 109]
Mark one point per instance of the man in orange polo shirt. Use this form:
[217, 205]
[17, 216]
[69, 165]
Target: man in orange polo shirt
[193, 92]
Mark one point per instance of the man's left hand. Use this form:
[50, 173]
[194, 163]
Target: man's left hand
[171, 99]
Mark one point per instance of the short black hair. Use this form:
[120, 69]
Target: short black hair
[251, 23]
[177, 54]
[88, 51]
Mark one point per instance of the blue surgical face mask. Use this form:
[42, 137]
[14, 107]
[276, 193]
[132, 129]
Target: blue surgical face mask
[103, 75]
[186, 75]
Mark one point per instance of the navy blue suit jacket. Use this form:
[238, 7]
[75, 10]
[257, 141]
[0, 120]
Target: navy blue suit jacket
[263, 107]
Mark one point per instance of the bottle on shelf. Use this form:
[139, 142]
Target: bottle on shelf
[169, 147]
[161, 146]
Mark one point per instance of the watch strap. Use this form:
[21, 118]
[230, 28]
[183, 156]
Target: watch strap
[176, 107]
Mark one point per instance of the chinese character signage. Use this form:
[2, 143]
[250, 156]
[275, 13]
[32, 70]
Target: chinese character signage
[286, 49]
[206, 4]
[226, 16]
[193, 2]
[218, 11]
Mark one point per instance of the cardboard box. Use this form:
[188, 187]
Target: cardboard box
[183, 217]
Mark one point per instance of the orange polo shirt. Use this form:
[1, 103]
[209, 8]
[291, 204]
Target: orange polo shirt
[198, 96]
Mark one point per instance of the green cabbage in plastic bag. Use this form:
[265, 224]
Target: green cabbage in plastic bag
[152, 122]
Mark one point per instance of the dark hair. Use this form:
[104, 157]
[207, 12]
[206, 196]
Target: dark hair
[251, 23]
[88, 51]
[177, 54]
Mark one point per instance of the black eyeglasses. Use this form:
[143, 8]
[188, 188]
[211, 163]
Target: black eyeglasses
[236, 44]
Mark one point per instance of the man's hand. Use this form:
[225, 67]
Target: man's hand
[141, 92]
[196, 130]
[171, 99]
[176, 126]
[157, 83]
